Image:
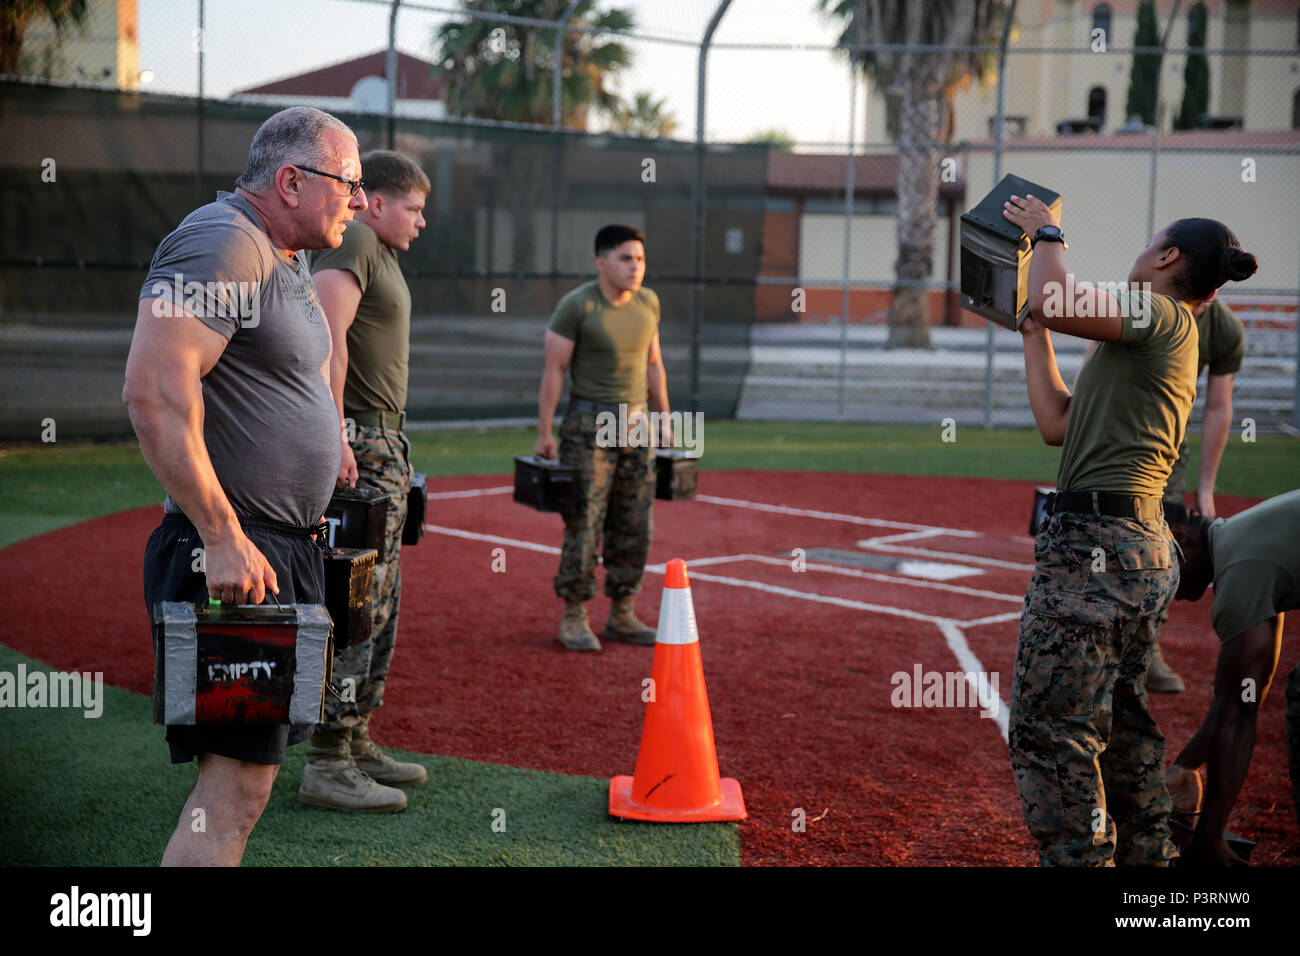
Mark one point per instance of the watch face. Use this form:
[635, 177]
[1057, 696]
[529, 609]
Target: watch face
[1049, 230]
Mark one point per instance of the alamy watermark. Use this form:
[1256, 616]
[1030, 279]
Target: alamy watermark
[211, 300]
[953, 689]
[76, 909]
[53, 689]
[1077, 300]
[642, 429]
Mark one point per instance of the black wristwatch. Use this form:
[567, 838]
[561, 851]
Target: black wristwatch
[1048, 234]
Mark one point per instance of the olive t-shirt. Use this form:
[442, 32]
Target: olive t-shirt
[269, 420]
[1256, 558]
[1222, 340]
[1130, 407]
[379, 339]
[610, 343]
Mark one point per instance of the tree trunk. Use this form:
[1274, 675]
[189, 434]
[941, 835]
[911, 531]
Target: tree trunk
[917, 216]
[12, 28]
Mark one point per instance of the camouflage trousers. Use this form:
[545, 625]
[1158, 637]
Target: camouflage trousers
[1088, 758]
[613, 494]
[383, 463]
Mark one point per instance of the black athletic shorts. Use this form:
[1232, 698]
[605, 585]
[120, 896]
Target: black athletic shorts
[169, 575]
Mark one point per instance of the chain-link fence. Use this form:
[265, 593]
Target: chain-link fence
[776, 261]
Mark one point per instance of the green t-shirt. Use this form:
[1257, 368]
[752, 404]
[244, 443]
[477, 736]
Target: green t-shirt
[1222, 340]
[1256, 558]
[379, 340]
[1130, 407]
[610, 343]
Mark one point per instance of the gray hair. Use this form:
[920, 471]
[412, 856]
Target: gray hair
[290, 137]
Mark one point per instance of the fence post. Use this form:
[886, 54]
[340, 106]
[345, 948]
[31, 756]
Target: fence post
[849, 186]
[557, 147]
[1155, 130]
[998, 125]
[1295, 391]
[199, 145]
[390, 74]
[697, 195]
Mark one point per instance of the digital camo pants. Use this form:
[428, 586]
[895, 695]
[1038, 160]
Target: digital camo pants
[613, 494]
[1088, 758]
[383, 462]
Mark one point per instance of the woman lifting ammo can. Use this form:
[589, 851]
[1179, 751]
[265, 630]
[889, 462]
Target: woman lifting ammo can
[1089, 760]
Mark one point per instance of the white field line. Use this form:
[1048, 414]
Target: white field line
[970, 664]
[819, 598]
[870, 545]
[909, 536]
[492, 539]
[834, 516]
[992, 619]
[873, 576]
[951, 630]
[471, 493]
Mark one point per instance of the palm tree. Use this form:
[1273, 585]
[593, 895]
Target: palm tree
[17, 15]
[505, 71]
[643, 115]
[920, 86]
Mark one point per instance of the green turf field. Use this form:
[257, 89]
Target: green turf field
[100, 791]
[48, 486]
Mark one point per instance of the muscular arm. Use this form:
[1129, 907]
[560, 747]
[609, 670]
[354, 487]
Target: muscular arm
[657, 385]
[340, 294]
[558, 352]
[1214, 438]
[1227, 735]
[170, 353]
[1087, 312]
[1048, 397]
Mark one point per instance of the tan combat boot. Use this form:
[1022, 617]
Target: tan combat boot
[331, 780]
[1161, 678]
[624, 625]
[377, 765]
[575, 630]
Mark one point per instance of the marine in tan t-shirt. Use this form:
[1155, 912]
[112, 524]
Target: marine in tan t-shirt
[1131, 402]
[610, 343]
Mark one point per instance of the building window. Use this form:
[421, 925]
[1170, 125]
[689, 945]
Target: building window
[1097, 105]
[1101, 18]
[1013, 125]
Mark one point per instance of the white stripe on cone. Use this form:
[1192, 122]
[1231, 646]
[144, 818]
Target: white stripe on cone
[677, 618]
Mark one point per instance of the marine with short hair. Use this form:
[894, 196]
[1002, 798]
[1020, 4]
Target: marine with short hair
[606, 335]
[368, 307]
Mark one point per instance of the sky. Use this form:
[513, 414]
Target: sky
[803, 92]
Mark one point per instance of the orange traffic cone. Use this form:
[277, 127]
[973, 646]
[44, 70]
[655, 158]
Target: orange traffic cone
[676, 778]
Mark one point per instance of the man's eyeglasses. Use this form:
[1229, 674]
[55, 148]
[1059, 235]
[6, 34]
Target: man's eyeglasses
[354, 185]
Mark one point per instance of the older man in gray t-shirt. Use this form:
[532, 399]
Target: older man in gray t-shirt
[228, 390]
[270, 426]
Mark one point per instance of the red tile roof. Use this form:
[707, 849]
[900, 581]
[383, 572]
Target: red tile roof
[815, 173]
[414, 78]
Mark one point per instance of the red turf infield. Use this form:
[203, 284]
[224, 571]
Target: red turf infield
[800, 689]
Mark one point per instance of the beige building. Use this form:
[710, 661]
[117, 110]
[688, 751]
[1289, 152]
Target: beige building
[105, 50]
[1046, 89]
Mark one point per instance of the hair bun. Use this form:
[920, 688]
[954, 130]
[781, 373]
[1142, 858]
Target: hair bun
[1237, 264]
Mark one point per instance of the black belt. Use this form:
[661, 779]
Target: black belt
[584, 405]
[1105, 503]
[376, 418]
[260, 524]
